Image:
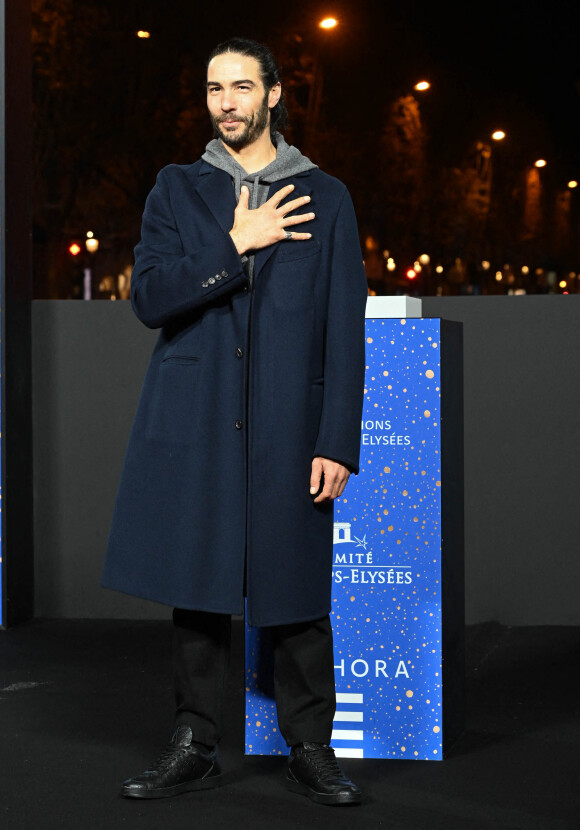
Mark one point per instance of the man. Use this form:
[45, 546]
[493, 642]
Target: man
[248, 424]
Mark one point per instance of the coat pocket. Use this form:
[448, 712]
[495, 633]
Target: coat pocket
[180, 359]
[184, 343]
[290, 251]
[294, 276]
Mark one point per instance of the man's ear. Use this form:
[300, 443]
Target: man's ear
[274, 95]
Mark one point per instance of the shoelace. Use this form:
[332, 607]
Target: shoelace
[323, 758]
[167, 757]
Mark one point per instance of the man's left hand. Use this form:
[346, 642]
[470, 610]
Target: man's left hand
[335, 478]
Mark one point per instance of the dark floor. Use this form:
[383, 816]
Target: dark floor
[85, 704]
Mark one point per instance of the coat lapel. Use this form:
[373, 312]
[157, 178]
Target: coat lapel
[216, 190]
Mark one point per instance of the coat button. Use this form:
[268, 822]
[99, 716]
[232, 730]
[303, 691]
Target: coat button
[211, 280]
[225, 273]
[204, 284]
[239, 352]
[239, 425]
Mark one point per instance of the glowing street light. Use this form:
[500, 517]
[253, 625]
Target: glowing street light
[74, 249]
[498, 135]
[540, 163]
[422, 86]
[328, 23]
[143, 34]
[572, 184]
[91, 243]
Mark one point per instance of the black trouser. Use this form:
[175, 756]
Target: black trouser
[303, 676]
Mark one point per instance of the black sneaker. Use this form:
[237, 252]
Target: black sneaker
[183, 766]
[314, 771]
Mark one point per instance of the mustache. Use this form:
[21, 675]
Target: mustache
[231, 116]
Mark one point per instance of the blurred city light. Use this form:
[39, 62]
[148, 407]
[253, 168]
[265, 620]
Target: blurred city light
[572, 184]
[486, 265]
[422, 86]
[498, 276]
[74, 249]
[142, 34]
[439, 269]
[498, 135]
[424, 259]
[525, 269]
[417, 266]
[540, 163]
[563, 284]
[91, 243]
[391, 265]
[328, 23]
[411, 274]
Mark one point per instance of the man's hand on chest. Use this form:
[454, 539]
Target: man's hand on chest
[270, 223]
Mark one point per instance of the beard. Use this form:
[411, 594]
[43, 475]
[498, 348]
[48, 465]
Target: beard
[255, 125]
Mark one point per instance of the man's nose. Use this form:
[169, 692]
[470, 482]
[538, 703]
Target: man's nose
[227, 102]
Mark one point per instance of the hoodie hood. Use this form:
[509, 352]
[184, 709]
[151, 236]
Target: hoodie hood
[289, 161]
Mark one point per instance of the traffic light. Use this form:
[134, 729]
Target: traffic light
[74, 248]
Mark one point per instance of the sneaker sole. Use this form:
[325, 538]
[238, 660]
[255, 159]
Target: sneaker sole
[323, 798]
[166, 792]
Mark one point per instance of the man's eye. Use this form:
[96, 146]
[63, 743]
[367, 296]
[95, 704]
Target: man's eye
[244, 88]
[212, 89]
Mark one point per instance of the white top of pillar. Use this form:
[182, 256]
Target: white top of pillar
[393, 307]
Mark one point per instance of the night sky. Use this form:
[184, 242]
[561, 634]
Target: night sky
[512, 65]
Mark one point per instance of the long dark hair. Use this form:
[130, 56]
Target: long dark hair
[269, 72]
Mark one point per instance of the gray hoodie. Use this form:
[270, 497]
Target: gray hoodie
[289, 161]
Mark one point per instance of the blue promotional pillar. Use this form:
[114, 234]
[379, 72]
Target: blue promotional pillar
[397, 599]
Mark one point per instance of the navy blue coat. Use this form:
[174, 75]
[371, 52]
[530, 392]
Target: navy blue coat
[243, 389]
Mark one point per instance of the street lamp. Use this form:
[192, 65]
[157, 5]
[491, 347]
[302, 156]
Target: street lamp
[540, 163]
[315, 94]
[572, 184]
[422, 86]
[498, 135]
[92, 246]
[91, 243]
